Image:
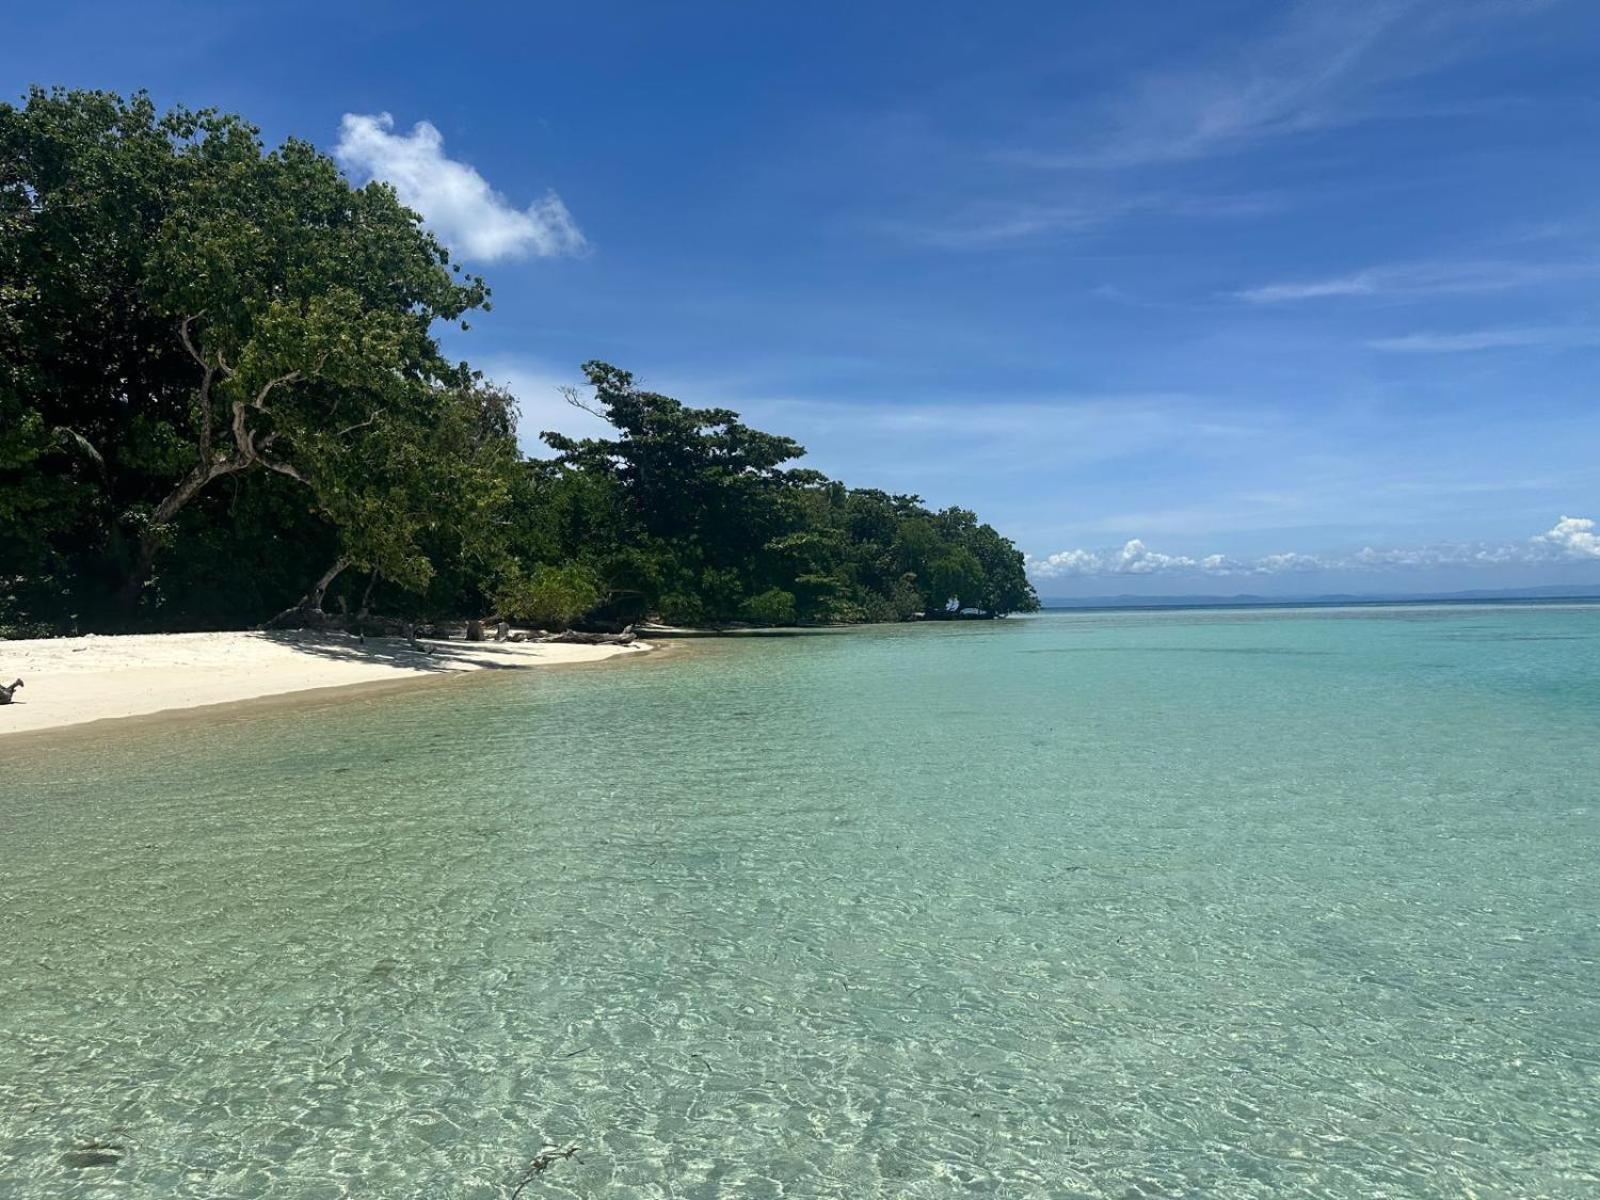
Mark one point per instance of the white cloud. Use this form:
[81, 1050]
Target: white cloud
[458, 204]
[1571, 539]
[1135, 558]
[1286, 563]
[1066, 562]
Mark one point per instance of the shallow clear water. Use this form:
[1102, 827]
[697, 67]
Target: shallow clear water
[1229, 904]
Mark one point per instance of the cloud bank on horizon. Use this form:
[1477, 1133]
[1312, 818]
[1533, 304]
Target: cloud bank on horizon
[1571, 539]
[458, 204]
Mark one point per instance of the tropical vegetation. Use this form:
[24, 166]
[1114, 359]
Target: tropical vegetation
[223, 398]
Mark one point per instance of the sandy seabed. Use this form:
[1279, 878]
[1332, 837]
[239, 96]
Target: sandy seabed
[71, 681]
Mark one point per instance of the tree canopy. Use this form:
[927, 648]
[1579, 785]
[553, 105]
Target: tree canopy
[221, 394]
[712, 523]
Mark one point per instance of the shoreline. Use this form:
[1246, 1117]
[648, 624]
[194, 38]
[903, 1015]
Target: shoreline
[76, 683]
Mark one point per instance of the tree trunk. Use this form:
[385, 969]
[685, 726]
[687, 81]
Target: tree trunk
[211, 465]
[366, 597]
[309, 610]
[188, 488]
[313, 599]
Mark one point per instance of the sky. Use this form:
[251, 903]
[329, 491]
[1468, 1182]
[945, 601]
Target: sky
[1193, 297]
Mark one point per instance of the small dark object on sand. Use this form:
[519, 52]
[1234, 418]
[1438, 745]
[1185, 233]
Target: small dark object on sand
[7, 689]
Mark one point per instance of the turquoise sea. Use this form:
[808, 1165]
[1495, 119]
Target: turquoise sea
[1288, 903]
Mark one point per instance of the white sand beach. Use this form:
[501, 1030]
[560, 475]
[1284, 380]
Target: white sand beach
[71, 681]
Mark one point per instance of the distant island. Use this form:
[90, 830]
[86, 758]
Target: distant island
[222, 403]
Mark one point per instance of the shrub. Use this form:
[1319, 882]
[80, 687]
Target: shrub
[550, 596]
[772, 607]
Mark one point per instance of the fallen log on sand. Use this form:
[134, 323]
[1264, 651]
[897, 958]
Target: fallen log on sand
[573, 638]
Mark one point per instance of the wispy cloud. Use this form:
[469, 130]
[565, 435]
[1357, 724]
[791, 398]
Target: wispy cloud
[1556, 336]
[991, 224]
[982, 226]
[984, 437]
[1572, 539]
[878, 437]
[1422, 279]
[1320, 66]
[458, 204]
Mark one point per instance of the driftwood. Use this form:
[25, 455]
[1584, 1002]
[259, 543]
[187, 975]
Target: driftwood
[6, 691]
[572, 637]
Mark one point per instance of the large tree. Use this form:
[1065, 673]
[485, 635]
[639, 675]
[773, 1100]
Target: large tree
[184, 306]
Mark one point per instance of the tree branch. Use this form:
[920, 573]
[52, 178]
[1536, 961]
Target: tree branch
[241, 435]
[188, 343]
[372, 420]
[571, 396]
[260, 402]
[283, 469]
[210, 372]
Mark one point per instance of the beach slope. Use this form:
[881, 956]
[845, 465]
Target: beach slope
[71, 681]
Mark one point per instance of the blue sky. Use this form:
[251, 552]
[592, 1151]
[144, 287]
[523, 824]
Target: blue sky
[1184, 297]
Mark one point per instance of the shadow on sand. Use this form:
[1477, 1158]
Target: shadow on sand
[436, 656]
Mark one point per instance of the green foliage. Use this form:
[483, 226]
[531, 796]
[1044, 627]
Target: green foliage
[772, 607]
[957, 575]
[220, 396]
[725, 529]
[550, 597]
[683, 608]
[185, 311]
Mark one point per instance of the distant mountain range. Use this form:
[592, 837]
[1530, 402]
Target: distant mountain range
[1559, 591]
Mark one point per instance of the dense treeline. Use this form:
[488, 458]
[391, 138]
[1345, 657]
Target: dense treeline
[221, 397]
